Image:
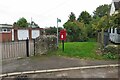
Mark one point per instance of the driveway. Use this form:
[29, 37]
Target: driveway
[51, 62]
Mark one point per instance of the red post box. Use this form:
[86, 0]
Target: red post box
[63, 34]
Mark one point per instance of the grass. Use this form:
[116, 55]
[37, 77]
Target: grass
[82, 50]
[86, 50]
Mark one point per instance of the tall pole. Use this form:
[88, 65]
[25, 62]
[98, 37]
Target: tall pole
[31, 22]
[57, 32]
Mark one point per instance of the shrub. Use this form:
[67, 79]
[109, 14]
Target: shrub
[110, 56]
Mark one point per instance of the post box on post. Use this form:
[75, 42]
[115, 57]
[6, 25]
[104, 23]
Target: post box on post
[63, 37]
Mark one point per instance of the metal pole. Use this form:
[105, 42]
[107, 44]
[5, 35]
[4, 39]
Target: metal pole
[63, 45]
[57, 32]
[27, 47]
[34, 46]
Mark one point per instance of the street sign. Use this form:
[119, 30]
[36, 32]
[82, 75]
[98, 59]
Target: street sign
[63, 34]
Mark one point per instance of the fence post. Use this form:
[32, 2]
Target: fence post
[34, 46]
[27, 47]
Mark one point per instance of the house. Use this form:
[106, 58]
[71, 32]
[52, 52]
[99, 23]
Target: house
[5, 32]
[9, 33]
[115, 6]
[114, 32]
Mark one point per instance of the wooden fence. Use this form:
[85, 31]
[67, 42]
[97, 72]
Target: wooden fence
[16, 49]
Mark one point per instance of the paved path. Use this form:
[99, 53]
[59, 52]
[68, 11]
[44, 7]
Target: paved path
[51, 62]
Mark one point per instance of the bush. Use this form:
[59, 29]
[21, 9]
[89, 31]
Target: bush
[111, 56]
[111, 52]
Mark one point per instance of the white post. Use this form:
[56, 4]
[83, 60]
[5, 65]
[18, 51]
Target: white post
[57, 32]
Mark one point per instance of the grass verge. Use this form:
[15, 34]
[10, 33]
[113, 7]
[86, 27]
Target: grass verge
[82, 50]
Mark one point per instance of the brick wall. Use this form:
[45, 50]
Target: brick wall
[6, 37]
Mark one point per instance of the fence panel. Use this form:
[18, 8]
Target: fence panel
[16, 49]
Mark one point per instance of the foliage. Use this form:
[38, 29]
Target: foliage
[72, 17]
[110, 56]
[22, 22]
[84, 17]
[102, 10]
[116, 19]
[75, 31]
[52, 30]
[34, 24]
[101, 23]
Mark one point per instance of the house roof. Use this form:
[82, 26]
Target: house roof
[116, 0]
[6, 25]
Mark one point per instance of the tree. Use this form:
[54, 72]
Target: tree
[102, 10]
[22, 22]
[85, 17]
[102, 24]
[52, 30]
[76, 31]
[116, 19]
[72, 17]
[34, 25]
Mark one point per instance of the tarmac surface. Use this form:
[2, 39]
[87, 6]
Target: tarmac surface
[52, 62]
[85, 73]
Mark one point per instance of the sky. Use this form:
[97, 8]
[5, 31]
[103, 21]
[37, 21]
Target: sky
[45, 12]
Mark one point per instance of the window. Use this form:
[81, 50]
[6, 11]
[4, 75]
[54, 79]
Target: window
[118, 31]
[5, 30]
[113, 30]
[110, 30]
[8, 30]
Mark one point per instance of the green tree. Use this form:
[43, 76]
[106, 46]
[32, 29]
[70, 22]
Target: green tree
[102, 10]
[52, 30]
[72, 17]
[102, 24]
[76, 31]
[22, 22]
[84, 17]
[116, 19]
[34, 25]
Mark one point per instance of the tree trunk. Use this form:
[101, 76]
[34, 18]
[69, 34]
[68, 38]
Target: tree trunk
[102, 38]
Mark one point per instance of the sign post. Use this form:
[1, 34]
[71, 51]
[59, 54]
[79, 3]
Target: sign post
[63, 45]
[63, 37]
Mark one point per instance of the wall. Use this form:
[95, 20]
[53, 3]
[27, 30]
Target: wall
[5, 37]
[45, 43]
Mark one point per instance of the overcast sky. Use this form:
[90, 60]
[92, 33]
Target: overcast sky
[45, 12]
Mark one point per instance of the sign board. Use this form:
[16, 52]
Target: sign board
[63, 34]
